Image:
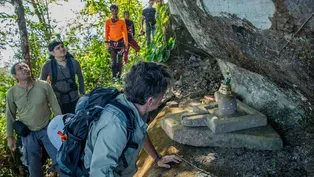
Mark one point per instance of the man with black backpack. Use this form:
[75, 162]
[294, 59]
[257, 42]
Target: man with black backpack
[62, 68]
[117, 136]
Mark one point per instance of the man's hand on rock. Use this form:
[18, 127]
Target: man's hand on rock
[163, 162]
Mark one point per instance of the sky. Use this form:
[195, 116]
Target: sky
[62, 13]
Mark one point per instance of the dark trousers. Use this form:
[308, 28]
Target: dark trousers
[134, 45]
[150, 32]
[116, 50]
[68, 107]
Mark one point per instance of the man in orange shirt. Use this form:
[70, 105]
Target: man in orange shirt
[116, 37]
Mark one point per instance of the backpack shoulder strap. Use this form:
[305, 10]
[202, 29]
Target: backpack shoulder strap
[54, 68]
[53, 71]
[130, 129]
[128, 114]
[70, 66]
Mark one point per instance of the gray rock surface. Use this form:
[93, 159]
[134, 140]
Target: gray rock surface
[282, 106]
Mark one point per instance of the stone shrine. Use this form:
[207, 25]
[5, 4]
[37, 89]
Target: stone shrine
[227, 122]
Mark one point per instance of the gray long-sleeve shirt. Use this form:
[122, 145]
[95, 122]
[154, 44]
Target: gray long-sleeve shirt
[107, 139]
[64, 72]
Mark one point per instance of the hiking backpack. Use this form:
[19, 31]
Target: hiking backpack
[89, 108]
[54, 73]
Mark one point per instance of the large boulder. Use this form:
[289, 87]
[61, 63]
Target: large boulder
[268, 46]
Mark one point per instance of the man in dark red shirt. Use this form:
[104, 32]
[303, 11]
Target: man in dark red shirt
[131, 35]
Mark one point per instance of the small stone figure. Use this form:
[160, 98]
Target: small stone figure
[227, 104]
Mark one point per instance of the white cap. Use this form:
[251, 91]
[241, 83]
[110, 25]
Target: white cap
[55, 125]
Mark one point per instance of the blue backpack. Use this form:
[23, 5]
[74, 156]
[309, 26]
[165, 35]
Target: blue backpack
[89, 108]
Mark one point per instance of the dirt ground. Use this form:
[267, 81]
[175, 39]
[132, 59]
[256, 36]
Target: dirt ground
[222, 162]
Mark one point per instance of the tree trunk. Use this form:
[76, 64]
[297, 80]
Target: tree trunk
[19, 11]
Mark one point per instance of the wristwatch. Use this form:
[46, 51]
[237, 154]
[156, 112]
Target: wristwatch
[158, 158]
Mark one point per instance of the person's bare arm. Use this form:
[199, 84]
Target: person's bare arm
[161, 161]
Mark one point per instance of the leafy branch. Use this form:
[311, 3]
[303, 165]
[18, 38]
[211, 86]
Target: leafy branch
[161, 47]
[7, 16]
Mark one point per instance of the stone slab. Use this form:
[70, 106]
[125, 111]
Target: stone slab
[262, 138]
[172, 104]
[200, 109]
[195, 120]
[224, 125]
[211, 105]
[245, 118]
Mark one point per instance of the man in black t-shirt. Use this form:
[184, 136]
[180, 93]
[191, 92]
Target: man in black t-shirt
[149, 16]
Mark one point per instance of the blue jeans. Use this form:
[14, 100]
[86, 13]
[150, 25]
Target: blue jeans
[32, 145]
[150, 32]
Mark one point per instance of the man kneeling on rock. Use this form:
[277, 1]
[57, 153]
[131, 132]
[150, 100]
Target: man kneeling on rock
[105, 153]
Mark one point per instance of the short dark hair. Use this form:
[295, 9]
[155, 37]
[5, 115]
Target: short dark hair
[113, 6]
[13, 69]
[126, 12]
[146, 79]
[53, 44]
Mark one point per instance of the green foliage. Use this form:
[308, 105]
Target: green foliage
[9, 168]
[39, 29]
[38, 54]
[95, 62]
[5, 156]
[7, 34]
[161, 46]
[85, 39]
[39, 33]
[6, 81]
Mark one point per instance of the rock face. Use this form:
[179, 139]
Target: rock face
[250, 37]
[283, 106]
[196, 72]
